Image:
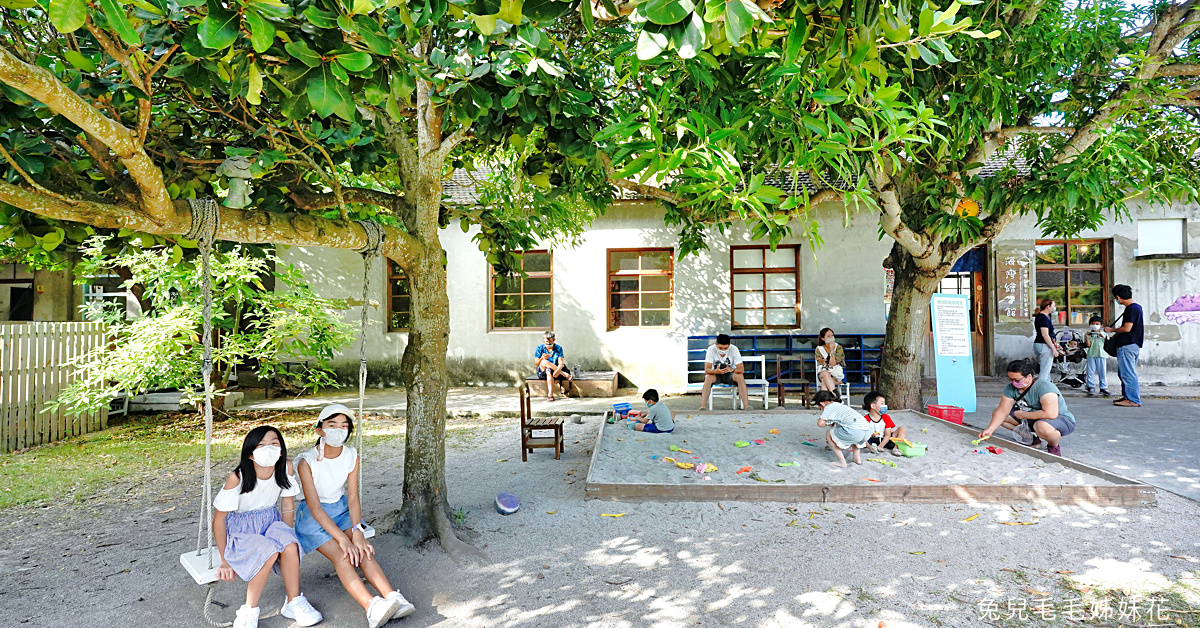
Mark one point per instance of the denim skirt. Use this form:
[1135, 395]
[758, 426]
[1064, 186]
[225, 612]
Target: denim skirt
[310, 532]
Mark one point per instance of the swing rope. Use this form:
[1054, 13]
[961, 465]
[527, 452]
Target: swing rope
[373, 249]
[206, 216]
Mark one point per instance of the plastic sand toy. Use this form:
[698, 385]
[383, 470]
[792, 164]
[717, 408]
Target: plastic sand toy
[741, 443]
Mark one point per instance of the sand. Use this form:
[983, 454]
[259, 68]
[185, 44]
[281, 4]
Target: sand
[625, 456]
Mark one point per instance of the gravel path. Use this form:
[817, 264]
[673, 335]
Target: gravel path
[111, 559]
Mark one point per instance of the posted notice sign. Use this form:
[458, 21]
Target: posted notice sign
[952, 348]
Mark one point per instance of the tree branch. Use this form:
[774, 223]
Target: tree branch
[365, 196]
[236, 225]
[890, 217]
[1009, 132]
[648, 190]
[25, 175]
[42, 86]
[1179, 69]
[454, 139]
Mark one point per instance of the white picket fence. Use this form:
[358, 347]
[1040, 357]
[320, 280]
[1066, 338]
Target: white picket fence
[34, 367]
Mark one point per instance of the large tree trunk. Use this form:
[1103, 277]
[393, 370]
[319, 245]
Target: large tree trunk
[907, 325]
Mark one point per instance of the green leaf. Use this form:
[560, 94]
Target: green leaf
[650, 44]
[115, 14]
[302, 53]
[219, 29]
[542, 10]
[356, 61]
[737, 21]
[262, 32]
[362, 7]
[79, 62]
[68, 16]
[692, 41]
[254, 85]
[585, 13]
[667, 11]
[926, 54]
[486, 24]
[327, 95]
[320, 19]
[510, 11]
[369, 30]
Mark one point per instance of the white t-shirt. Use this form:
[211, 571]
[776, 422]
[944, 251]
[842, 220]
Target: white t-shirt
[845, 416]
[329, 475]
[730, 357]
[266, 494]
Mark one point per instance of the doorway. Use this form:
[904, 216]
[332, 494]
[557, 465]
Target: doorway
[974, 285]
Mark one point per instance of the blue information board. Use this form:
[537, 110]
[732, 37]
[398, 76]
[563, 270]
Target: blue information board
[951, 315]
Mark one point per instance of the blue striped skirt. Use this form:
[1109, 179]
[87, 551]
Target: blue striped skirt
[253, 537]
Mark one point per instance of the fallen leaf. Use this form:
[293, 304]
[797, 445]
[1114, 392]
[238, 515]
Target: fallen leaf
[792, 524]
[916, 553]
[1018, 523]
[1065, 571]
[502, 460]
[552, 512]
[163, 512]
[1187, 558]
[616, 516]
[972, 517]
[869, 479]
[851, 516]
[1033, 591]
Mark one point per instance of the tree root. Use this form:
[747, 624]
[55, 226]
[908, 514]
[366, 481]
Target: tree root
[430, 525]
[458, 549]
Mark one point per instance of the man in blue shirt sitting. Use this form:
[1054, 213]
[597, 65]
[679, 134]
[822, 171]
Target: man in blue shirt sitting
[550, 364]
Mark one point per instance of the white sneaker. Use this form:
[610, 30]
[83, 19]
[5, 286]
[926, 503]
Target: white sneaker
[406, 607]
[1022, 433]
[246, 617]
[300, 610]
[379, 611]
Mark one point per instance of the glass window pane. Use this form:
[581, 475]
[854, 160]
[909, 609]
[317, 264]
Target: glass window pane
[1081, 315]
[747, 317]
[1051, 254]
[400, 320]
[656, 260]
[656, 318]
[537, 285]
[536, 262]
[781, 298]
[400, 304]
[537, 319]
[748, 299]
[399, 287]
[656, 283]
[747, 282]
[506, 319]
[537, 302]
[625, 285]
[748, 258]
[781, 316]
[625, 301]
[1051, 284]
[781, 281]
[1088, 253]
[506, 285]
[782, 257]
[656, 300]
[506, 302]
[623, 260]
[628, 318]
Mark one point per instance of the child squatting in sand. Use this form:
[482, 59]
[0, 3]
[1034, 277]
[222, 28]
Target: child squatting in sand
[850, 429]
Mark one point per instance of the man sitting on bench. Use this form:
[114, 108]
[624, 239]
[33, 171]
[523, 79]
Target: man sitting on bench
[723, 365]
[550, 364]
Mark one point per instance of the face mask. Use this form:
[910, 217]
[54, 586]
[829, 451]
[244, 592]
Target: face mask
[267, 455]
[336, 436]
[1096, 327]
[1020, 385]
[832, 340]
[648, 404]
[883, 409]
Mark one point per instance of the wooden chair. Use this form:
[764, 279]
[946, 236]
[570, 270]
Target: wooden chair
[793, 379]
[531, 424]
[873, 376]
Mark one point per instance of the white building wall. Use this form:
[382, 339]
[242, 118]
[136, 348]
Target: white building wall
[1172, 352]
[841, 287]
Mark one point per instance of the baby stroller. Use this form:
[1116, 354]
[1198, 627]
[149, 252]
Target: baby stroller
[1070, 367]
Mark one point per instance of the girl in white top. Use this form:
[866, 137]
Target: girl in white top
[252, 535]
[329, 477]
[830, 357]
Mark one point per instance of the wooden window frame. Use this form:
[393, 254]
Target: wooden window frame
[387, 280]
[795, 270]
[549, 274]
[611, 275]
[1104, 268]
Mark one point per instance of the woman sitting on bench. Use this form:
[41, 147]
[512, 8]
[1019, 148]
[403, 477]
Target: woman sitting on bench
[550, 364]
[830, 358]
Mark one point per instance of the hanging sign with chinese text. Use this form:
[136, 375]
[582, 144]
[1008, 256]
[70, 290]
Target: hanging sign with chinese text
[1014, 284]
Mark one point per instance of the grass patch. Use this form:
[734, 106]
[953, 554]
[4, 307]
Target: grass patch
[146, 444]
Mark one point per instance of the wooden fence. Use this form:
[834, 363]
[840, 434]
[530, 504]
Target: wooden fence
[34, 367]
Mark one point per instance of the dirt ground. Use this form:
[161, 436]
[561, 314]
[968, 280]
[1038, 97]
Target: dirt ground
[111, 558]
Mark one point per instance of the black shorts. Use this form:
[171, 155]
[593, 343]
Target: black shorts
[875, 440]
[725, 378]
[561, 376]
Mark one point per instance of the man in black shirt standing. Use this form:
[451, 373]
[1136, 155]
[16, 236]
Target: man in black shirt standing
[1129, 338]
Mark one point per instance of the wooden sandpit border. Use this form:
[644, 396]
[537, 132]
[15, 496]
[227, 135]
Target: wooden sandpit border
[1123, 492]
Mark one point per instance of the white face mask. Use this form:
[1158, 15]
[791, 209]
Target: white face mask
[1096, 327]
[267, 455]
[336, 436]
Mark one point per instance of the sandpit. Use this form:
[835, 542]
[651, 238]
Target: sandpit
[634, 466]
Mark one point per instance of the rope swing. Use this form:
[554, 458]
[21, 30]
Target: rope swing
[373, 249]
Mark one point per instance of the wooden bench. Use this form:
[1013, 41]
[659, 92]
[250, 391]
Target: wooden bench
[584, 384]
[531, 424]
